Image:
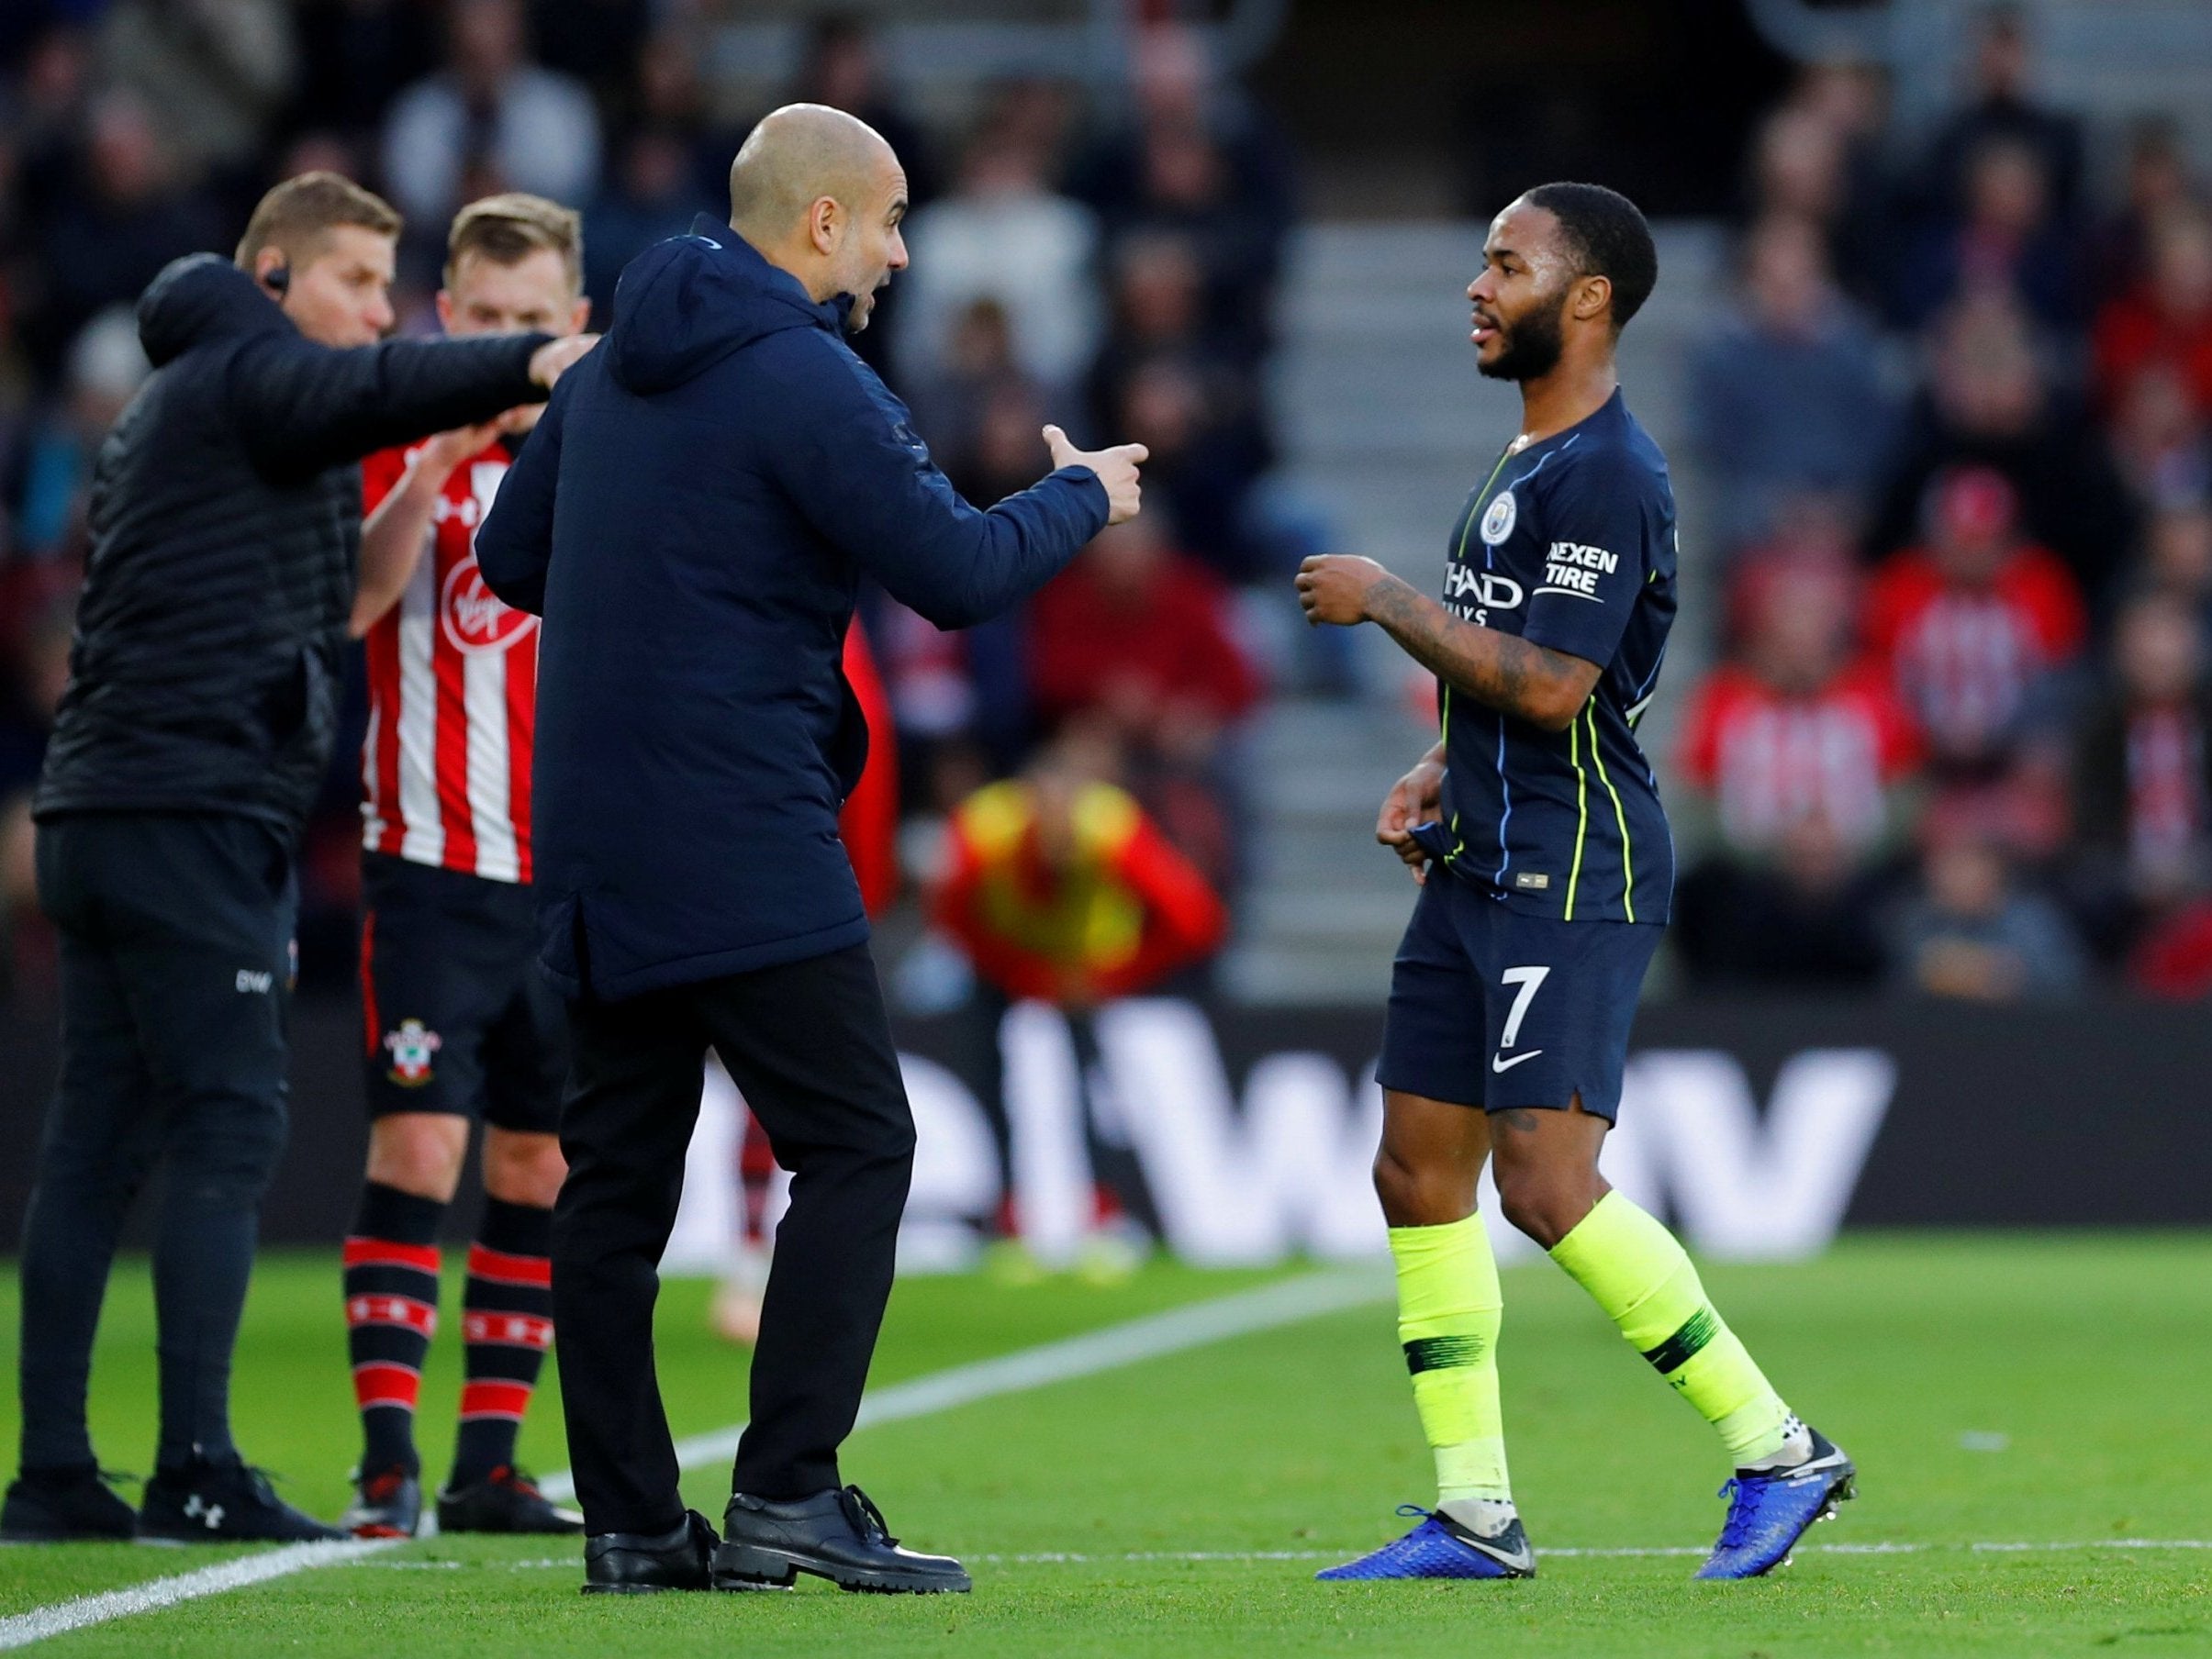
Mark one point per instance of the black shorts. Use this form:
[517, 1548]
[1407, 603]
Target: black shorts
[1493, 1008]
[457, 1015]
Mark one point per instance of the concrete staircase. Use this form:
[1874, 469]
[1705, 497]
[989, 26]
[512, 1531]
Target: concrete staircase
[1385, 428]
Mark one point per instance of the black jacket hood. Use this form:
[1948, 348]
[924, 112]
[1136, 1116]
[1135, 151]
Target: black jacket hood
[686, 302]
[200, 297]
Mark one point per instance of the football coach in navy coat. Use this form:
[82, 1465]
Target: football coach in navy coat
[692, 519]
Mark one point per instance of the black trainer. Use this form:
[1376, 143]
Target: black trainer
[839, 1536]
[639, 1563]
[229, 1502]
[65, 1505]
[387, 1504]
[506, 1500]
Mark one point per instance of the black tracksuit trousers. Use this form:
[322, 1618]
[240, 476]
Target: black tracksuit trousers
[809, 1045]
[177, 933]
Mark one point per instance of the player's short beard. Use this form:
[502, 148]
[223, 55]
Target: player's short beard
[1531, 347]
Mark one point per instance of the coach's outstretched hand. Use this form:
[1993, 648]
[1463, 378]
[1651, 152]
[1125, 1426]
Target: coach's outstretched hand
[1116, 468]
[556, 357]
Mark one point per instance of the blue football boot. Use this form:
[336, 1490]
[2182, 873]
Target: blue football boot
[1769, 1510]
[1441, 1548]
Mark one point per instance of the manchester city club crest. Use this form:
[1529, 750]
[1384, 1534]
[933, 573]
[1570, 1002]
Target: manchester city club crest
[1498, 522]
[411, 1047]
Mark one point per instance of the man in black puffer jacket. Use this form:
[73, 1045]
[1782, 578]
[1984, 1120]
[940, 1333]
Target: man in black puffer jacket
[200, 715]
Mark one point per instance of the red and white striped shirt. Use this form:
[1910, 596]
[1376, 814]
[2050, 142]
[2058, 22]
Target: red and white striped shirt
[453, 694]
[1770, 758]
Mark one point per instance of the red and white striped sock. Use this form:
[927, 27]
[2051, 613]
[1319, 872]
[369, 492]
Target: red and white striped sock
[508, 1325]
[391, 1286]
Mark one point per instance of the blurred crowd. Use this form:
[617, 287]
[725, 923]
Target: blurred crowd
[1957, 436]
[1956, 431]
[1103, 258]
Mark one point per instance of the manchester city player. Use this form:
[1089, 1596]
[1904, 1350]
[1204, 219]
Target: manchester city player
[1536, 831]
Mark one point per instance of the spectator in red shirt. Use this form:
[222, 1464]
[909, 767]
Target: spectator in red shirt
[2167, 321]
[1136, 639]
[1140, 634]
[1793, 728]
[1802, 754]
[1971, 626]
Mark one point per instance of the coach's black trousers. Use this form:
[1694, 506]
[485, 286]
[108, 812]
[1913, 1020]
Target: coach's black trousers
[809, 1045]
[176, 935]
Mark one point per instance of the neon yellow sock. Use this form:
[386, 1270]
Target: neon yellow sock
[1449, 1310]
[1634, 1270]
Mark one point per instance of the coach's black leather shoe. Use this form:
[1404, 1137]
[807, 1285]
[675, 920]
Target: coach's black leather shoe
[637, 1563]
[506, 1500]
[839, 1536]
[65, 1505]
[228, 1502]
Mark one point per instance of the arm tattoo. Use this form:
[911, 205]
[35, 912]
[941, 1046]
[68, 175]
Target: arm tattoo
[1498, 670]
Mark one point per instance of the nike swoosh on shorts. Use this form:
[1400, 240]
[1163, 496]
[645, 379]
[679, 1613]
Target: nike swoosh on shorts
[1498, 1062]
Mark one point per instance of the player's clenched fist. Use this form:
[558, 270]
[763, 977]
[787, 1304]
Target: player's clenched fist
[1116, 468]
[1334, 588]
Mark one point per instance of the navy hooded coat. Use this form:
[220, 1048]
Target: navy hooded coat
[692, 517]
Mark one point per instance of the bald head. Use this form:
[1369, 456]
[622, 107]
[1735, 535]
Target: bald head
[795, 157]
[818, 193]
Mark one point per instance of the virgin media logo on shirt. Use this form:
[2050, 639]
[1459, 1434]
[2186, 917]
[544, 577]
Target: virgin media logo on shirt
[476, 619]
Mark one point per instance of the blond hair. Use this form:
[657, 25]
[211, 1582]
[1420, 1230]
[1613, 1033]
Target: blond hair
[296, 215]
[509, 227]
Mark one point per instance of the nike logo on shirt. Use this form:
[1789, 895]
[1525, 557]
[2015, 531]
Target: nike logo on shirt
[1498, 1062]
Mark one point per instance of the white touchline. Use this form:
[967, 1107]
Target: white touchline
[21, 1630]
[1286, 1302]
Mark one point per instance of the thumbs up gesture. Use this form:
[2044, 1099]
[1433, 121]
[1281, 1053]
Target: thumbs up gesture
[1116, 468]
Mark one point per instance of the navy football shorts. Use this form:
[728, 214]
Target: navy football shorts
[1495, 1008]
[458, 1016]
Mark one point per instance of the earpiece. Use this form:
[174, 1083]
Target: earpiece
[277, 279]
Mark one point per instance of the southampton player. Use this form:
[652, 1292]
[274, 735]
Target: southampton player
[459, 1023]
[1547, 869]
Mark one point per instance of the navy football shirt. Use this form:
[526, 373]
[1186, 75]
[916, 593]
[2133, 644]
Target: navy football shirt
[1569, 543]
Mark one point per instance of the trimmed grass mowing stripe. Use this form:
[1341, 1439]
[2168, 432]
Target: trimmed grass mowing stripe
[23, 1628]
[1286, 1302]
[1283, 1303]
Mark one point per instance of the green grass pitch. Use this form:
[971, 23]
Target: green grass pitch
[2046, 1390]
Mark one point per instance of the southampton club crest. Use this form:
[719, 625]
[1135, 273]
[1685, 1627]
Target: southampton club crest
[411, 1047]
[1498, 522]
